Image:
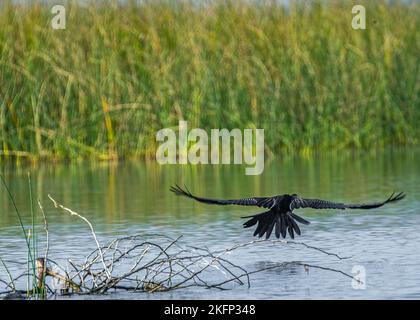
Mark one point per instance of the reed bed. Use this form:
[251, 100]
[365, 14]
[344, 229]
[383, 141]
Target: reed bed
[102, 87]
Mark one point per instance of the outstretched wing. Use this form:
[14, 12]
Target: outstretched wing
[323, 204]
[264, 202]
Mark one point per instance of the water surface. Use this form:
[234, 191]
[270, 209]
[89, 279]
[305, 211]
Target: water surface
[133, 198]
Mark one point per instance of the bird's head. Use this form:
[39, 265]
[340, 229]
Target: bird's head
[290, 197]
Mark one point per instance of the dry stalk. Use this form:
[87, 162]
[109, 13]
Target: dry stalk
[57, 205]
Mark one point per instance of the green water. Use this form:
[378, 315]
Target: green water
[131, 197]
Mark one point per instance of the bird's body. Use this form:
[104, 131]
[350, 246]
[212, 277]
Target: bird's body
[280, 216]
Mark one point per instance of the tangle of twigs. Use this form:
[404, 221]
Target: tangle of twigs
[152, 263]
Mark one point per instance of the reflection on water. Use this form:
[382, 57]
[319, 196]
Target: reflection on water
[128, 198]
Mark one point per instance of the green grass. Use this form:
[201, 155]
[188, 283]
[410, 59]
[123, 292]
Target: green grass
[102, 88]
[30, 236]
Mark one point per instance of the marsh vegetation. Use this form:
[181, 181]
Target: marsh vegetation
[117, 74]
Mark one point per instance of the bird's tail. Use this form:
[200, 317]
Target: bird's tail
[280, 222]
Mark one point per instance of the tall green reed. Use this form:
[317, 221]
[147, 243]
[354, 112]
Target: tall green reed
[30, 237]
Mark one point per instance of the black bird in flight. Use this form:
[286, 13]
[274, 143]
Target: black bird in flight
[280, 215]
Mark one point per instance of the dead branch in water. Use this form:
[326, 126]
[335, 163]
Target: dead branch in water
[57, 205]
[153, 263]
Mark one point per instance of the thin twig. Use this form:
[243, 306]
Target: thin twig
[57, 205]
